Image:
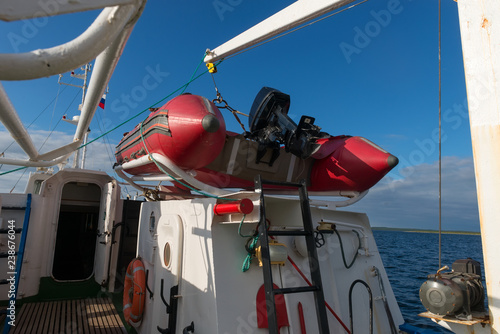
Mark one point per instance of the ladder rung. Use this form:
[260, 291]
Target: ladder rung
[284, 232]
[283, 184]
[6, 230]
[5, 254]
[19, 208]
[298, 289]
[307, 231]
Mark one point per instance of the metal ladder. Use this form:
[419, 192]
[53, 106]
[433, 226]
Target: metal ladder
[308, 233]
[16, 271]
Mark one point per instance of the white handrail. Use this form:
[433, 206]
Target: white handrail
[174, 169]
[29, 163]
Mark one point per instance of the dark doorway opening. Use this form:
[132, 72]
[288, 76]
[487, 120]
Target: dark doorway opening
[76, 232]
[128, 243]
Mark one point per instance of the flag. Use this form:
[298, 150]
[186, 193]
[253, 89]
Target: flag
[103, 101]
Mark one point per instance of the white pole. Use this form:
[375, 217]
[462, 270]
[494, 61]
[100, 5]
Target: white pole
[480, 32]
[86, 137]
[12, 122]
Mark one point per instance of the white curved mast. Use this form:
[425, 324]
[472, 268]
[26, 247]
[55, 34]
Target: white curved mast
[104, 40]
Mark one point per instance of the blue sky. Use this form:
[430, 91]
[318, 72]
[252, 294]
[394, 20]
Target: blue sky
[370, 71]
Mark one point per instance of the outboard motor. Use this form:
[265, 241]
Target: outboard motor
[270, 126]
[457, 293]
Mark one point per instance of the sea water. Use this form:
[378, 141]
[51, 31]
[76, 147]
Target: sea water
[410, 256]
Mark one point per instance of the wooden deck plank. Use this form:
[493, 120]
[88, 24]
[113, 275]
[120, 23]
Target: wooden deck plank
[34, 319]
[46, 325]
[62, 324]
[115, 324]
[108, 311]
[18, 314]
[74, 317]
[49, 307]
[24, 312]
[79, 316]
[83, 309]
[98, 316]
[92, 319]
[94, 315]
[102, 316]
[105, 306]
[69, 327]
[56, 317]
[40, 317]
[120, 327]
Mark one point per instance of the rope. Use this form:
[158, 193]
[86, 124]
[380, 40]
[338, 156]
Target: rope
[439, 196]
[197, 67]
[304, 277]
[342, 249]
[33, 121]
[59, 121]
[251, 252]
[55, 105]
[19, 179]
[41, 146]
[12, 171]
[128, 120]
[253, 238]
[146, 109]
[239, 229]
[107, 144]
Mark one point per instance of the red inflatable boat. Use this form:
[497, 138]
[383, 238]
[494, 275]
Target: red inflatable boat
[190, 131]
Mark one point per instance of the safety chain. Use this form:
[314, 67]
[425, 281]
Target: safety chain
[219, 100]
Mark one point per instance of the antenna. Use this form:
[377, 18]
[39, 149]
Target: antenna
[79, 159]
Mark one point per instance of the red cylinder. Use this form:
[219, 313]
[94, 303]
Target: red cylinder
[244, 206]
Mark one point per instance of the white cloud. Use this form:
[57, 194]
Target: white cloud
[413, 200]
[100, 156]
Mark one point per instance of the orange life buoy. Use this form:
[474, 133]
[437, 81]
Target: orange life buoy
[134, 292]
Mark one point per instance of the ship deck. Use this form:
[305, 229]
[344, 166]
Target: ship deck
[91, 315]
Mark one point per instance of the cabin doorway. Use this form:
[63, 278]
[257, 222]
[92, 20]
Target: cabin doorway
[76, 232]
